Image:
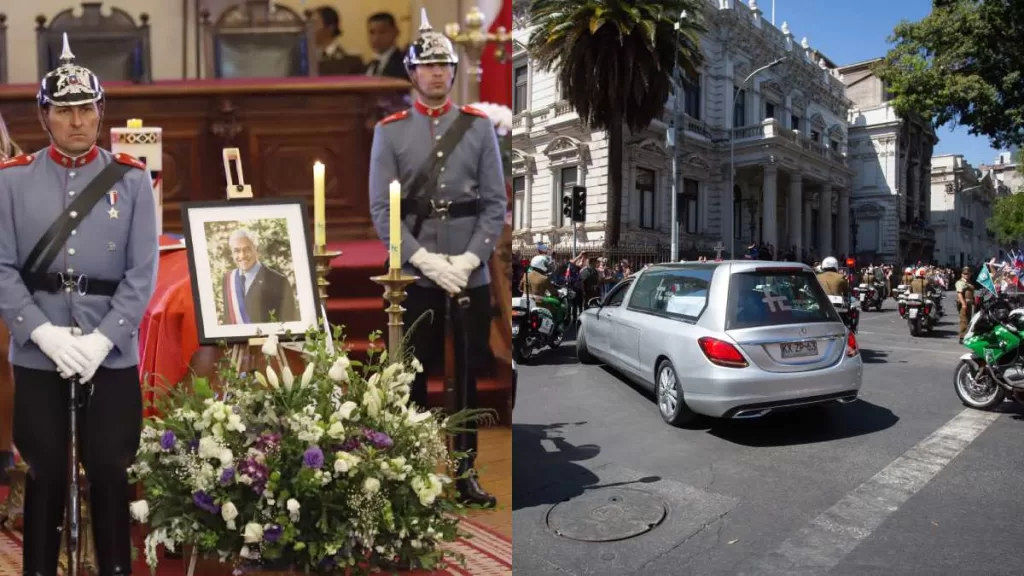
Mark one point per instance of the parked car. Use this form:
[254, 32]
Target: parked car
[728, 339]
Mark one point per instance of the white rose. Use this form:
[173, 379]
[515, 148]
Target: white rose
[293, 509]
[346, 409]
[416, 365]
[371, 485]
[228, 512]
[253, 533]
[307, 375]
[287, 377]
[226, 457]
[140, 510]
[272, 378]
[339, 370]
[270, 346]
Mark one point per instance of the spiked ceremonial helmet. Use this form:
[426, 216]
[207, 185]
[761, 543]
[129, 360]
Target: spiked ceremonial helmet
[430, 48]
[69, 84]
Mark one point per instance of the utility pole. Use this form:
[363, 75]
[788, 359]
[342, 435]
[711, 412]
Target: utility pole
[673, 135]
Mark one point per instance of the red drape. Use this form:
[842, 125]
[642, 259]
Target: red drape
[496, 85]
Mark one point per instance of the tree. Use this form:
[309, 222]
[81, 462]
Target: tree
[615, 61]
[1007, 219]
[962, 64]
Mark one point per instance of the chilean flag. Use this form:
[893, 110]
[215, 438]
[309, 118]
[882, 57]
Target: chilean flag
[496, 84]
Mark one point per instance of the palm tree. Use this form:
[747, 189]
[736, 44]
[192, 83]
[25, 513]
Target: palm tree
[615, 61]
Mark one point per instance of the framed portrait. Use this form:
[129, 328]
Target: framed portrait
[252, 268]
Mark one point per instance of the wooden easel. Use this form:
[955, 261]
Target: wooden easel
[241, 355]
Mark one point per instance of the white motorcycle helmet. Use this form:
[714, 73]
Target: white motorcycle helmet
[830, 263]
[541, 263]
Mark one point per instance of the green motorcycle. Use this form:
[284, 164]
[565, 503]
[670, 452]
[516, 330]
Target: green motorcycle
[994, 367]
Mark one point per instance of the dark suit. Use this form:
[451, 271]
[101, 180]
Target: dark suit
[393, 67]
[269, 292]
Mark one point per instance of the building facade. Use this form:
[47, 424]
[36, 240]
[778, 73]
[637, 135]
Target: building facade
[1006, 171]
[961, 205]
[785, 130]
[891, 160]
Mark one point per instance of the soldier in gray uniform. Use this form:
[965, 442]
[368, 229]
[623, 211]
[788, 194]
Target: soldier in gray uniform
[453, 212]
[77, 317]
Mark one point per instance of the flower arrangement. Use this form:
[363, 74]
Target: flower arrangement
[330, 469]
[499, 114]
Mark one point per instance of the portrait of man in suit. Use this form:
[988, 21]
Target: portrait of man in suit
[253, 292]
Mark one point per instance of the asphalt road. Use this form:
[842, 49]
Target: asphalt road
[903, 481]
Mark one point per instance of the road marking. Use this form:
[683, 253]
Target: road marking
[549, 445]
[822, 544]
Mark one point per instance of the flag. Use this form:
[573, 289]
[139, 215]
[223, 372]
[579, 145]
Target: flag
[985, 279]
[496, 82]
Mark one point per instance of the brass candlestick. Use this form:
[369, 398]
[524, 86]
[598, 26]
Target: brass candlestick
[394, 283]
[323, 259]
[474, 38]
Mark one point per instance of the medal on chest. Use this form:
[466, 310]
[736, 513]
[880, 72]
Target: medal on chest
[112, 199]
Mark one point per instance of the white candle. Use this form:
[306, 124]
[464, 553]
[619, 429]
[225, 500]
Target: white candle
[319, 205]
[395, 233]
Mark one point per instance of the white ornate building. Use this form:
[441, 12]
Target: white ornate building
[961, 205]
[891, 160]
[792, 183]
[1006, 171]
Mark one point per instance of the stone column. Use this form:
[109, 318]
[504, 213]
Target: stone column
[808, 224]
[825, 221]
[768, 206]
[843, 222]
[796, 203]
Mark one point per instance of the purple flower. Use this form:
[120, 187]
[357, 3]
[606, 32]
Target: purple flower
[204, 501]
[167, 440]
[351, 445]
[193, 446]
[256, 471]
[273, 533]
[227, 476]
[379, 440]
[313, 458]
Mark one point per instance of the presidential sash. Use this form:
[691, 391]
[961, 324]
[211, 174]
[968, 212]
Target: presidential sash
[234, 298]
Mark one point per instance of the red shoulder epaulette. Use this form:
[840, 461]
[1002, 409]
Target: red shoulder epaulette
[395, 117]
[129, 160]
[475, 112]
[20, 160]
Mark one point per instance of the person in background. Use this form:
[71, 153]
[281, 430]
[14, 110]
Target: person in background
[334, 61]
[383, 32]
[965, 300]
[8, 149]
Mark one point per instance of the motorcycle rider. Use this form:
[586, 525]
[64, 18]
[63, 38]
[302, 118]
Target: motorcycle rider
[868, 276]
[920, 284]
[965, 300]
[538, 285]
[834, 283]
[908, 276]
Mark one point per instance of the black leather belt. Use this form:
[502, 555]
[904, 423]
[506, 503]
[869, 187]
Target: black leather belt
[54, 282]
[443, 208]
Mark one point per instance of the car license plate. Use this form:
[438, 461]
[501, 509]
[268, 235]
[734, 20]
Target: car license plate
[799, 349]
[913, 312]
[861, 297]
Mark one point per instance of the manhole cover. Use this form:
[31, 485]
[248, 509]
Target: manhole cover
[606, 515]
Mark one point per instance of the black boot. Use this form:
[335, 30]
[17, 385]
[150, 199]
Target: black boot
[43, 518]
[469, 489]
[111, 525]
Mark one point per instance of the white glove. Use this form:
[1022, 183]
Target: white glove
[58, 343]
[466, 261]
[94, 347]
[438, 269]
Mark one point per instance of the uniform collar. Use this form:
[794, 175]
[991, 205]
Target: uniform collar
[433, 112]
[66, 161]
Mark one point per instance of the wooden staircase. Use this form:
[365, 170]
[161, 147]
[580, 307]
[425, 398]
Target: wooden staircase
[357, 303]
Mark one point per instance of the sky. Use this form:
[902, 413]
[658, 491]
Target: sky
[849, 31]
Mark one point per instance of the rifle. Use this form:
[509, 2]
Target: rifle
[74, 495]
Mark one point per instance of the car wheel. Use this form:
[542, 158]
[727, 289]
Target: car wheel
[671, 403]
[582, 354]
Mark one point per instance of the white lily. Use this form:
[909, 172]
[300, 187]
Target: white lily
[270, 346]
[307, 375]
[287, 377]
[272, 378]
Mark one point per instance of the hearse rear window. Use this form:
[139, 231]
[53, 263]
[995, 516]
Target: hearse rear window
[775, 298]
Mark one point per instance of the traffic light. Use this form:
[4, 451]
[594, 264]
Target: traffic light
[579, 204]
[567, 205]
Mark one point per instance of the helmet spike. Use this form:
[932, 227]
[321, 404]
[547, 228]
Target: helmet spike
[66, 57]
[424, 23]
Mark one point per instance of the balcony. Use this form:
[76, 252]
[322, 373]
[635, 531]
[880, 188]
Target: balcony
[917, 230]
[771, 130]
[561, 115]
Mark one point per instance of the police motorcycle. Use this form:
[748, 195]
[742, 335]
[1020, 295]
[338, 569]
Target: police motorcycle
[920, 312]
[868, 295]
[534, 326]
[848, 309]
[994, 367]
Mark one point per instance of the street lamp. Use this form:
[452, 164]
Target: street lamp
[853, 231]
[672, 141]
[732, 151]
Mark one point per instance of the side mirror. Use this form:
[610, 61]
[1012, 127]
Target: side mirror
[594, 302]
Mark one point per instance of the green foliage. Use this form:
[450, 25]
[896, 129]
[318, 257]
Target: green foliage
[962, 64]
[1007, 219]
[615, 60]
